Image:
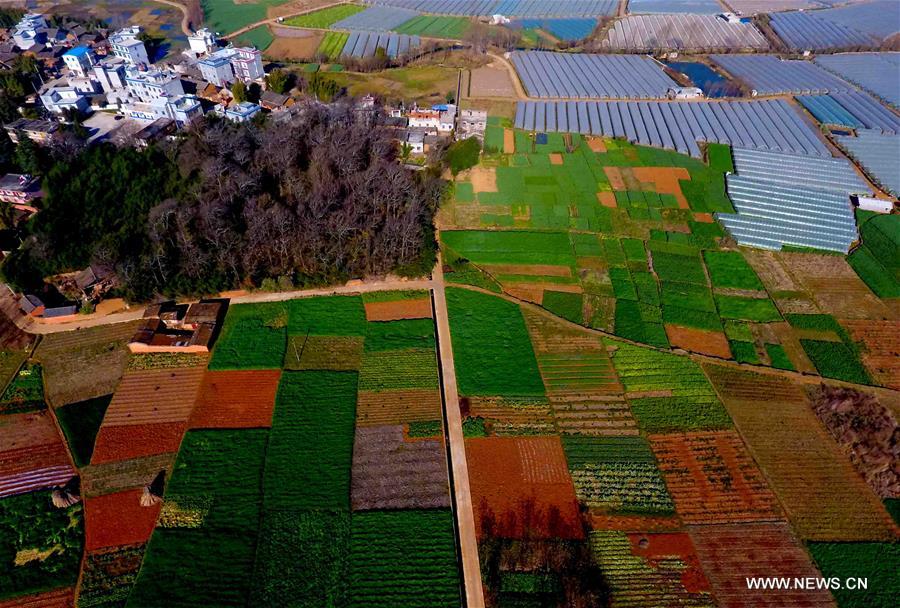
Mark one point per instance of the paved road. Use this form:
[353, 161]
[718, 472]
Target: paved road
[465, 515]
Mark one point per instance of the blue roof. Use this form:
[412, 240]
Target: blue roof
[77, 51]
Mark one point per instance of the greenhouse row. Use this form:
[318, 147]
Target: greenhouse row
[879, 154]
[509, 8]
[761, 124]
[769, 75]
[681, 32]
[364, 44]
[871, 71]
[549, 75]
[852, 110]
[376, 19]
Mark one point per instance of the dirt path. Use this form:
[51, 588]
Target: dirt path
[465, 514]
[185, 26]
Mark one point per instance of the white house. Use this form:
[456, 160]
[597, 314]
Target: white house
[30, 30]
[79, 60]
[202, 41]
[424, 119]
[238, 112]
[684, 93]
[878, 205]
[472, 123]
[110, 73]
[447, 119]
[231, 64]
[125, 44]
[60, 99]
[149, 85]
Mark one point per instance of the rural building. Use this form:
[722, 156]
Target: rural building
[231, 64]
[414, 139]
[125, 44]
[150, 85]
[202, 41]
[38, 131]
[684, 93]
[156, 130]
[110, 73]
[20, 191]
[424, 119]
[275, 101]
[472, 123]
[30, 31]
[177, 328]
[34, 306]
[60, 99]
[878, 205]
[238, 112]
[79, 60]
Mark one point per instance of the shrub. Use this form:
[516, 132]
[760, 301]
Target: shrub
[462, 155]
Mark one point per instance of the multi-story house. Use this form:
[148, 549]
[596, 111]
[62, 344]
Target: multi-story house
[79, 60]
[231, 64]
[125, 44]
[31, 30]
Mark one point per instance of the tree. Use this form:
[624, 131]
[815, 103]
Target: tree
[29, 156]
[239, 91]
[277, 81]
[462, 155]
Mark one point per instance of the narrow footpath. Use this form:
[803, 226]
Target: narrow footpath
[465, 514]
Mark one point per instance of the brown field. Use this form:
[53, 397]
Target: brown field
[154, 396]
[294, 48]
[510, 416]
[123, 475]
[664, 180]
[398, 406]
[84, 363]
[607, 199]
[544, 270]
[32, 454]
[28, 430]
[492, 80]
[730, 553]
[594, 415]
[596, 144]
[130, 441]
[634, 523]
[509, 141]
[823, 496]
[712, 478]
[835, 286]
[341, 353]
[556, 158]
[614, 175]
[521, 487]
[58, 598]
[390, 473]
[713, 343]
[527, 293]
[116, 520]
[108, 574]
[484, 179]
[881, 352]
[399, 309]
[773, 275]
[236, 399]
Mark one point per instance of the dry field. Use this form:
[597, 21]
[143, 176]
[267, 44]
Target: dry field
[390, 473]
[881, 349]
[823, 496]
[32, 454]
[236, 399]
[116, 520]
[154, 396]
[400, 406]
[293, 45]
[123, 475]
[713, 479]
[713, 343]
[730, 553]
[493, 80]
[84, 363]
[398, 309]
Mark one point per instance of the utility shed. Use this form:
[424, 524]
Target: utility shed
[788, 199]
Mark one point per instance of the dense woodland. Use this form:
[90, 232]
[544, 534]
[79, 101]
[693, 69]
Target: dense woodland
[316, 200]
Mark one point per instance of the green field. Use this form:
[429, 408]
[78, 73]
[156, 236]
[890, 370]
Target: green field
[260, 37]
[325, 17]
[876, 260]
[491, 348]
[332, 45]
[730, 269]
[80, 423]
[226, 16]
[876, 562]
[253, 337]
[432, 26]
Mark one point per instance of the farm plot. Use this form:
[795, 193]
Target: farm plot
[616, 475]
[325, 17]
[235, 399]
[667, 392]
[413, 368]
[400, 335]
[253, 337]
[80, 423]
[512, 415]
[731, 553]
[391, 473]
[85, 363]
[32, 454]
[655, 569]
[227, 16]
[713, 479]
[491, 347]
[123, 474]
[824, 498]
[521, 488]
[879, 561]
[394, 310]
[25, 392]
[398, 406]
[314, 415]
[829, 347]
[338, 353]
[332, 44]
[118, 520]
[876, 260]
[431, 26]
[108, 576]
[403, 558]
[42, 544]
[879, 349]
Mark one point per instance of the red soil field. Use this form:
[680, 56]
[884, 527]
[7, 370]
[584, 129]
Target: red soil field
[32, 454]
[665, 180]
[663, 547]
[58, 598]
[137, 440]
[400, 406]
[730, 553]
[28, 430]
[521, 488]
[713, 479]
[713, 343]
[635, 523]
[882, 349]
[399, 309]
[154, 396]
[236, 400]
[118, 519]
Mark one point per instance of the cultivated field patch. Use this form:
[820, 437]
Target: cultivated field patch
[398, 406]
[419, 308]
[32, 454]
[235, 399]
[338, 353]
[118, 520]
[108, 576]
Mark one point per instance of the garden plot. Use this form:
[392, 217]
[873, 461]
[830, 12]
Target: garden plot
[713, 479]
[85, 363]
[338, 353]
[824, 498]
[657, 569]
[235, 399]
[731, 553]
[879, 349]
[121, 475]
[108, 576]
[118, 520]
[390, 472]
[401, 406]
[521, 488]
[32, 454]
[512, 415]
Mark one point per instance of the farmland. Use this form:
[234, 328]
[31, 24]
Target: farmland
[325, 17]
